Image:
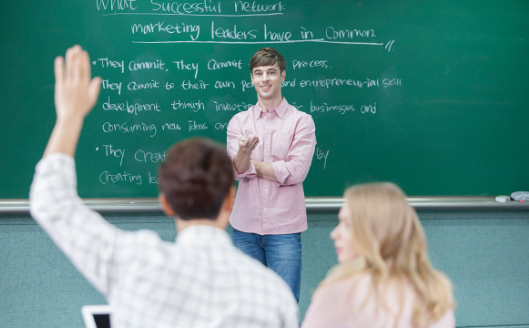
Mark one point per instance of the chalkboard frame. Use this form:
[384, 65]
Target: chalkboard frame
[313, 204]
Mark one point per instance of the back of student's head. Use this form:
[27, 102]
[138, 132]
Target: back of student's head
[195, 178]
[390, 247]
[268, 57]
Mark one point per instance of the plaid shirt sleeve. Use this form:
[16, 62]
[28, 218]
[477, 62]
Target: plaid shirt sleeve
[87, 239]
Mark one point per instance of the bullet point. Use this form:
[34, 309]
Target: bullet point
[94, 62]
[97, 148]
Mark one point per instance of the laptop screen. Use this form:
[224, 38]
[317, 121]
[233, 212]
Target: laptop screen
[102, 320]
[96, 316]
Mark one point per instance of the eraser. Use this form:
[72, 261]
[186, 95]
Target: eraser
[243, 139]
[520, 195]
[503, 199]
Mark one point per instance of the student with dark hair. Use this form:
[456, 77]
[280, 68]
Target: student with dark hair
[271, 145]
[201, 280]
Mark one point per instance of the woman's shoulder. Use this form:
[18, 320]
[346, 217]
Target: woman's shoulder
[355, 300]
[326, 308]
[357, 284]
[347, 292]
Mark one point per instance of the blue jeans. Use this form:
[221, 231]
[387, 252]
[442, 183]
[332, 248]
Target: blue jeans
[281, 253]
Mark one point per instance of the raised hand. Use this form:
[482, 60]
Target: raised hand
[75, 96]
[242, 159]
[75, 92]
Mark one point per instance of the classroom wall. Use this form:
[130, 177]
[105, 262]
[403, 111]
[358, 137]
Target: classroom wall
[485, 253]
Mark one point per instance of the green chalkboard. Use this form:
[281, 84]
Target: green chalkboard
[428, 94]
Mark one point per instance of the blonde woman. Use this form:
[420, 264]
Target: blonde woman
[384, 277]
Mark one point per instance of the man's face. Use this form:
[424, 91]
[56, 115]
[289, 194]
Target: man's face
[267, 81]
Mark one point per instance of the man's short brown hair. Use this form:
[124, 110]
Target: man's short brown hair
[195, 178]
[268, 57]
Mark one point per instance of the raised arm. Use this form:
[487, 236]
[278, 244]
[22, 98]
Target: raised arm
[241, 160]
[240, 149]
[82, 234]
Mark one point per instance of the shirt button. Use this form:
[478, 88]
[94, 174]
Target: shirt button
[266, 189]
[265, 208]
[266, 154]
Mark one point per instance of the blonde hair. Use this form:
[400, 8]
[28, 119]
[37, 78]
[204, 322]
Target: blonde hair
[391, 246]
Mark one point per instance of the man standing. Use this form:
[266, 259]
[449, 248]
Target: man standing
[271, 145]
[201, 280]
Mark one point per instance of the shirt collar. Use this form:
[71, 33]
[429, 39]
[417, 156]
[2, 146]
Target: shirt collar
[203, 235]
[280, 110]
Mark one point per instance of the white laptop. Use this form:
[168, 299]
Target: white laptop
[96, 316]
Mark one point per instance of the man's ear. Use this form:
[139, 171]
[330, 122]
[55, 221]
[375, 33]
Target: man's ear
[229, 200]
[283, 75]
[166, 207]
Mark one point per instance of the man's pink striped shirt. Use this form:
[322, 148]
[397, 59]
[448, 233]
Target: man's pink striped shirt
[287, 140]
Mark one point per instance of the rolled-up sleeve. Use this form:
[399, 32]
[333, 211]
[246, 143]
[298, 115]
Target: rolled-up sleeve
[295, 168]
[232, 146]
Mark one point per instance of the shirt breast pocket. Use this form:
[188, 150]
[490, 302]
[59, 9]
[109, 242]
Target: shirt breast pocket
[281, 145]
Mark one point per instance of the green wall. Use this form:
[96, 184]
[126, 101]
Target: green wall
[485, 254]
